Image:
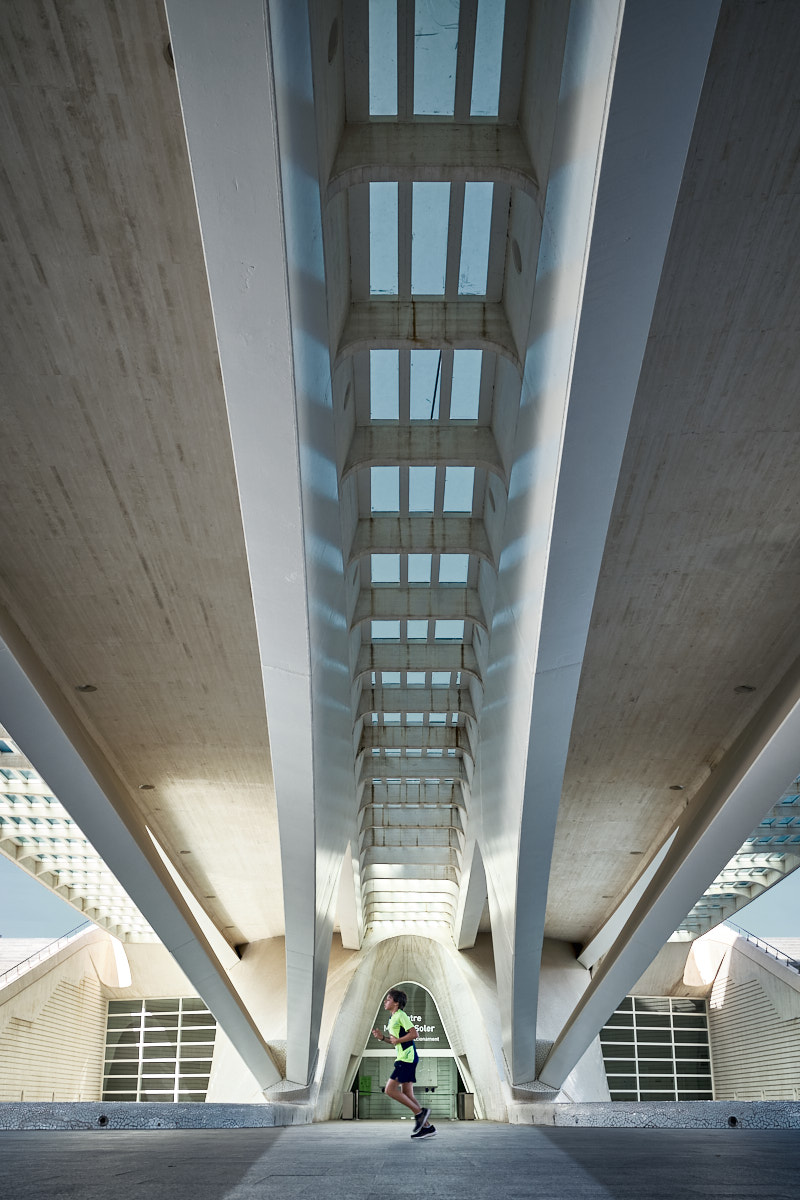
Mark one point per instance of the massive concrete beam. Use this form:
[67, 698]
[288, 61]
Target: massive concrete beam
[393, 700]
[419, 603]
[471, 899]
[421, 535]
[419, 737]
[405, 767]
[245, 81]
[728, 806]
[411, 656]
[623, 128]
[433, 152]
[48, 733]
[427, 325]
[423, 444]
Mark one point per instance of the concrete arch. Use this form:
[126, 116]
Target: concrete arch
[462, 986]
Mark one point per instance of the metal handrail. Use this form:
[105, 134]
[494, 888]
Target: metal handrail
[767, 947]
[43, 952]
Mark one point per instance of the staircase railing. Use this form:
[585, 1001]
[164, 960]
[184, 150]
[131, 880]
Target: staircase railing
[767, 947]
[43, 952]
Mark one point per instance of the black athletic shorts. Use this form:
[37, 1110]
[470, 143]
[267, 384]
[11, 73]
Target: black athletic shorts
[404, 1072]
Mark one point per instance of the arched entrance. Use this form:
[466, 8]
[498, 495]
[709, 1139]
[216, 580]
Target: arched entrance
[438, 1079]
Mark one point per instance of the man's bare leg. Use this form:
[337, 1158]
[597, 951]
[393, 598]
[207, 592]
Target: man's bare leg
[397, 1091]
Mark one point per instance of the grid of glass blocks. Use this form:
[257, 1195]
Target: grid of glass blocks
[656, 1048]
[158, 1050]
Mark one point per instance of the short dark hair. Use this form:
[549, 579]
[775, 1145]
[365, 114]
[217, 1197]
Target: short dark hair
[400, 998]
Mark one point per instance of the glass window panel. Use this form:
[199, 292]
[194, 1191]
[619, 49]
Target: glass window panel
[124, 1006]
[421, 489]
[162, 1037]
[384, 368]
[465, 393]
[616, 1035]
[161, 1021]
[488, 58]
[391, 718]
[417, 631]
[196, 1035]
[619, 1018]
[390, 679]
[440, 678]
[659, 1004]
[415, 679]
[423, 384]
[385, 568]
[699, 1095]
[162, 1006]
[192, 1097]
[459, 485]
[419, 568]
[476, 230]
[414, 718]
[385, 630]
[649, 1082]
[665, 1095]
[449, 630]
[622, 1081]
[624, 1096]
[119, 1085]
[430, 216]
[123, 1037]
[435, 45]
[619, 1051]
[384, 489]
[383, 58]
[437, 718]
[383, 239]
[453, 568]
[694, 1037]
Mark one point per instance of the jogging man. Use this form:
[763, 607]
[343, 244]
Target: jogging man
[401, 1034]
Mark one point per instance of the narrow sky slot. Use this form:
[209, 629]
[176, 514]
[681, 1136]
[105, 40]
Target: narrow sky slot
[435, 52]
[383, 239]
[430, 215]
[488, 58]
[477, 226]
[383, 58]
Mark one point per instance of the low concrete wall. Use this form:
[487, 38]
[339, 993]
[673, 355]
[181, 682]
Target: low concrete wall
[123, 1115]
[668, 1114]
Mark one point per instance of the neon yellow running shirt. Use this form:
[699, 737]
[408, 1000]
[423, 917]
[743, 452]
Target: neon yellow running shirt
[399, 1024]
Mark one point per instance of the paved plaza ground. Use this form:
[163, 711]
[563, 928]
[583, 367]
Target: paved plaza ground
[360, 1159]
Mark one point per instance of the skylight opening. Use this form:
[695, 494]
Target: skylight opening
[430, 217]
[459, 488]
[440, 679]
[391, 718]
[476, 232]
[453, 568]
[385, 568]
[417, 631]
[421, 489]
[449, 631]
[383, 239]
[384, 387]
[383, 58]
[437, 718]
[414, 718]
[385, 631]
[465, 393]
[419, 568]
[425, 381]
[415, 679]
[390, 678]
[385, 489]
[488, 58]
[435, 52]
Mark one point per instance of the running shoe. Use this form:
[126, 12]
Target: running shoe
[424, 1132]
[421, 1118]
